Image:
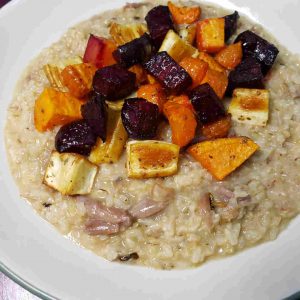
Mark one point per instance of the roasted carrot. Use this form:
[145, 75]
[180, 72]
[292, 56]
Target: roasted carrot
[218, 129]
[196, 68]
[184, 14]
[182, 121]
[153, 93]
[78, 78]
[183, 100]
[54, 108]
[212, 63]
[211, 35]
[222, 156]
[217, 80]
[230, 56]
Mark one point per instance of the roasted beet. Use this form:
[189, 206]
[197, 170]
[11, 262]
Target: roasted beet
[231, 24]
[167, 71]
[247, 74]
[159, 22]
[95, 113]
[137, 51]
[208, 106]
[263, 51]
[114, 82]
[77, 137]
[140, 118]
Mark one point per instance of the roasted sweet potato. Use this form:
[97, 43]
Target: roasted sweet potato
[153, 93]
[182, 121]
[78, 78]
[222, 156]
[140, 74]
[217, 129]
[212, 63]
[231, 56]
[211, 35]
[196, 68]
[217, 80]
[54, 108]
[183, 100]
[184, 14]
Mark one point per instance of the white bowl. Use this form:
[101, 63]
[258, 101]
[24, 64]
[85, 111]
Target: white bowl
[34, 254]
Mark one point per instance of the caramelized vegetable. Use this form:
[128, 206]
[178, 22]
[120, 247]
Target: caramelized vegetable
[184, 14]
[182, 100]
[99, 52]
[146, 159]
[250, 106]
[212, 63]
[78, 78]
[140, 74]
[217, 129]
[231, 24]
[54, 108]
[116, 136]
[153, 93]
[217, 80]
[187, 32]
[196, 68]
[70, 174]
[231, 56]
[222, 156]
[176, 47]
[182, 121]
[53, 74]
[211, 35]
[123, 34]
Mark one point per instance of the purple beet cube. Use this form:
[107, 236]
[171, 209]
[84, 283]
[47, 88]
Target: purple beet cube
[114, 82]
[168, 72]
[247, 74]
[231, 24]
[254, 45]
[207, 105]
[159, 22]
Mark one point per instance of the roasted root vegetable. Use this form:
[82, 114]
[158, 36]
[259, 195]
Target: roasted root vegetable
[187, 32]
[134, 52]
[140, 118]
[182, 121]
[153, 93]
[140, 74]
[70, 174]
[159, 22]
[53, 74]
[114, 82]
[250, 106]
[231, 24]
[176, 47]
[115, 105]
[146, 159]
[182, 100]
[212, 63]
[206, 103]
[222, 156]
[54, 108]
[123, 34]
[247, 74]
[116, 137]
[184, 14]
[211, 35]
[255, 46]
[94, 111]
[217, 80]
[168, 72]
[99, 51]
[78, 78]
[217, 129]
[196, 68]
[77, 137]
[231, 56]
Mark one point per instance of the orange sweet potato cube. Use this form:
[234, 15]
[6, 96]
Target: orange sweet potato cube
[230, 56]
[211, 35]
[222, 156]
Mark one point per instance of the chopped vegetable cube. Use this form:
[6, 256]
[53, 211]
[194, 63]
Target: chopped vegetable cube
[212, 63]
[187, 32]
[231, 24]
[184, 14]
[217, 129]
[140, 74]
[231, 56]
[70, 174]
[146, 159]
[222, 156]
[211, 35]
[54, 108]
[250, 106]
[53, 74]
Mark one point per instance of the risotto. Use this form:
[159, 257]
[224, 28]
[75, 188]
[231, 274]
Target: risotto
[203, 217]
